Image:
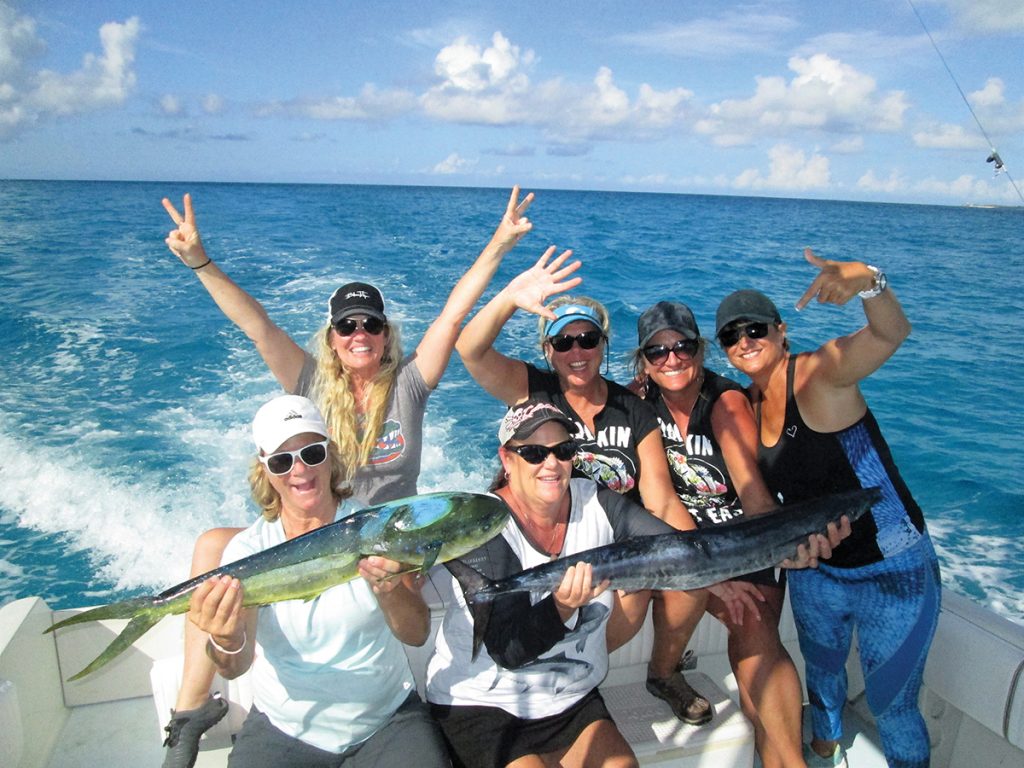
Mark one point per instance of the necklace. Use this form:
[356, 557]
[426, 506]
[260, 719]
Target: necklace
[541, 540]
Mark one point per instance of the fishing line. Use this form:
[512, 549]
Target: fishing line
[994, 156]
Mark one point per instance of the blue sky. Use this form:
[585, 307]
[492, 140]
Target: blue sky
[844, 99]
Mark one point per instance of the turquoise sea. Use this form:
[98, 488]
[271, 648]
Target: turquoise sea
[126, 396]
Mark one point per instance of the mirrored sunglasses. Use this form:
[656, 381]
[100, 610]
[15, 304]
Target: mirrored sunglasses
[536, 454]
[731, 334]
[587, 340]
[683, 349]
[349, 325]
[281, 463]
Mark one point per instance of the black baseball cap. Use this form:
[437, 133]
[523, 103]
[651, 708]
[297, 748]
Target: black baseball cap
[746, 304]
[666, 316]
[356, 299]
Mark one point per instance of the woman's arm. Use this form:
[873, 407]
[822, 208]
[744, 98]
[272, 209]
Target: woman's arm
[732, 421]
[505, 377]
[435, 348]
[399, 598]
[843, 362]
[283, 356]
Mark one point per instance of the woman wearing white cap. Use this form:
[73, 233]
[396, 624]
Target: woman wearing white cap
[617, 433]
[311, 660]
[373, 398]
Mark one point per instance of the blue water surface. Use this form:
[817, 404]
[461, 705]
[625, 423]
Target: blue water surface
[127, 396]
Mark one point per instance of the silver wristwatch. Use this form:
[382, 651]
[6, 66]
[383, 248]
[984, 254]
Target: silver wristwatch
[881, 282]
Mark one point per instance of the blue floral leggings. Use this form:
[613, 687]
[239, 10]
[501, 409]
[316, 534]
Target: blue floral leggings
[894, 605]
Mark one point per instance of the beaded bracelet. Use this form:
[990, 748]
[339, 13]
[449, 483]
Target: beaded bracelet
[208, 260]
[245, 639]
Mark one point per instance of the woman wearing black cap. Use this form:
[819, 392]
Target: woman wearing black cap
[818, 436]
[710, 441]
[372, 397]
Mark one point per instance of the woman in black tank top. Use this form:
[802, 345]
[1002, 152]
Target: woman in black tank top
[817, 436]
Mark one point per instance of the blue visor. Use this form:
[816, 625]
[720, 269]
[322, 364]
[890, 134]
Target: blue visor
[570, 313]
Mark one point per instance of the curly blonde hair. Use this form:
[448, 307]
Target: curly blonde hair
[269, 500]
[332, 392]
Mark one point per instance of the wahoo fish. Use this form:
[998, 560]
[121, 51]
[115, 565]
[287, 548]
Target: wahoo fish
[418, 530]
[683, 560]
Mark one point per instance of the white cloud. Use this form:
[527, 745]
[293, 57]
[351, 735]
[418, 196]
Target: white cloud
[454, 163]
[869, 182]
[492, 86]
[948, 136]
[28, 96]
[848, 146]
[1006, 16]
[371, 104]
[789, 169]
[212, 104]
[728, 35]
[991, 95]
[825, 94]
[969, 189]
[170, 104]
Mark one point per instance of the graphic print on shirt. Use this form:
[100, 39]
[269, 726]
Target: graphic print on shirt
[599, 458]
[390, 445]
[559, 671]
[699, 482]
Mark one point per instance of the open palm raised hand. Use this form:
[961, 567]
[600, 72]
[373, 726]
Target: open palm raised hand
[530, 289]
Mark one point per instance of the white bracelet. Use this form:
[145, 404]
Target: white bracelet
[245, 639]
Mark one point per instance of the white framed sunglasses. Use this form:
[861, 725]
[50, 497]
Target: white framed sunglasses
[281, 463]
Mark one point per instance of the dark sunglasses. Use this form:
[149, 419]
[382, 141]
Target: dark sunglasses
[281, 463]
[349, 325]
[536, 454]
[731, 334]
[587, 340]
[684, 349]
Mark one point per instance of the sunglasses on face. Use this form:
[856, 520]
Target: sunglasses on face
[536, 454]
[732, 333]
[684, 349]
[281, 463]
[587, 340]
[349, 325]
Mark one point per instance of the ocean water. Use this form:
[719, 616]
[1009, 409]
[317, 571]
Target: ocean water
[126, 396]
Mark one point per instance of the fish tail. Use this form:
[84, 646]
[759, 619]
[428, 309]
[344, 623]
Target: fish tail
[136, 628]
[126, 609]
[474, 587]
[144, 612]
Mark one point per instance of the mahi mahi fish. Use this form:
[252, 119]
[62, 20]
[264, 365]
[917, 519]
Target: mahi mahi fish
[418, 531]
[683, 560]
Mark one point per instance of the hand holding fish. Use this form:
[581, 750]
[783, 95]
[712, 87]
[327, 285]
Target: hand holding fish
[819, 546]
[837, 282]
[577, 589]
[399, 595]
[738, 597]
[530, 289]
[184, 241]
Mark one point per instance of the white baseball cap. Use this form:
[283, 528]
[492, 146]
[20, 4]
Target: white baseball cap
[280, 419]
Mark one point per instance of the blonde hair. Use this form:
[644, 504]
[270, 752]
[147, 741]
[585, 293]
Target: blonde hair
[586, 301]
[269, 500]
[332, 392]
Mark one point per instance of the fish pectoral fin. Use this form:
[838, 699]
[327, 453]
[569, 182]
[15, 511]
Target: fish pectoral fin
[430, 557]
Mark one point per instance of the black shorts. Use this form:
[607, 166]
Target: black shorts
[766, 576]
[484, 737]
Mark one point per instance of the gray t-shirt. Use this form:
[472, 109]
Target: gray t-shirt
[394, 463]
